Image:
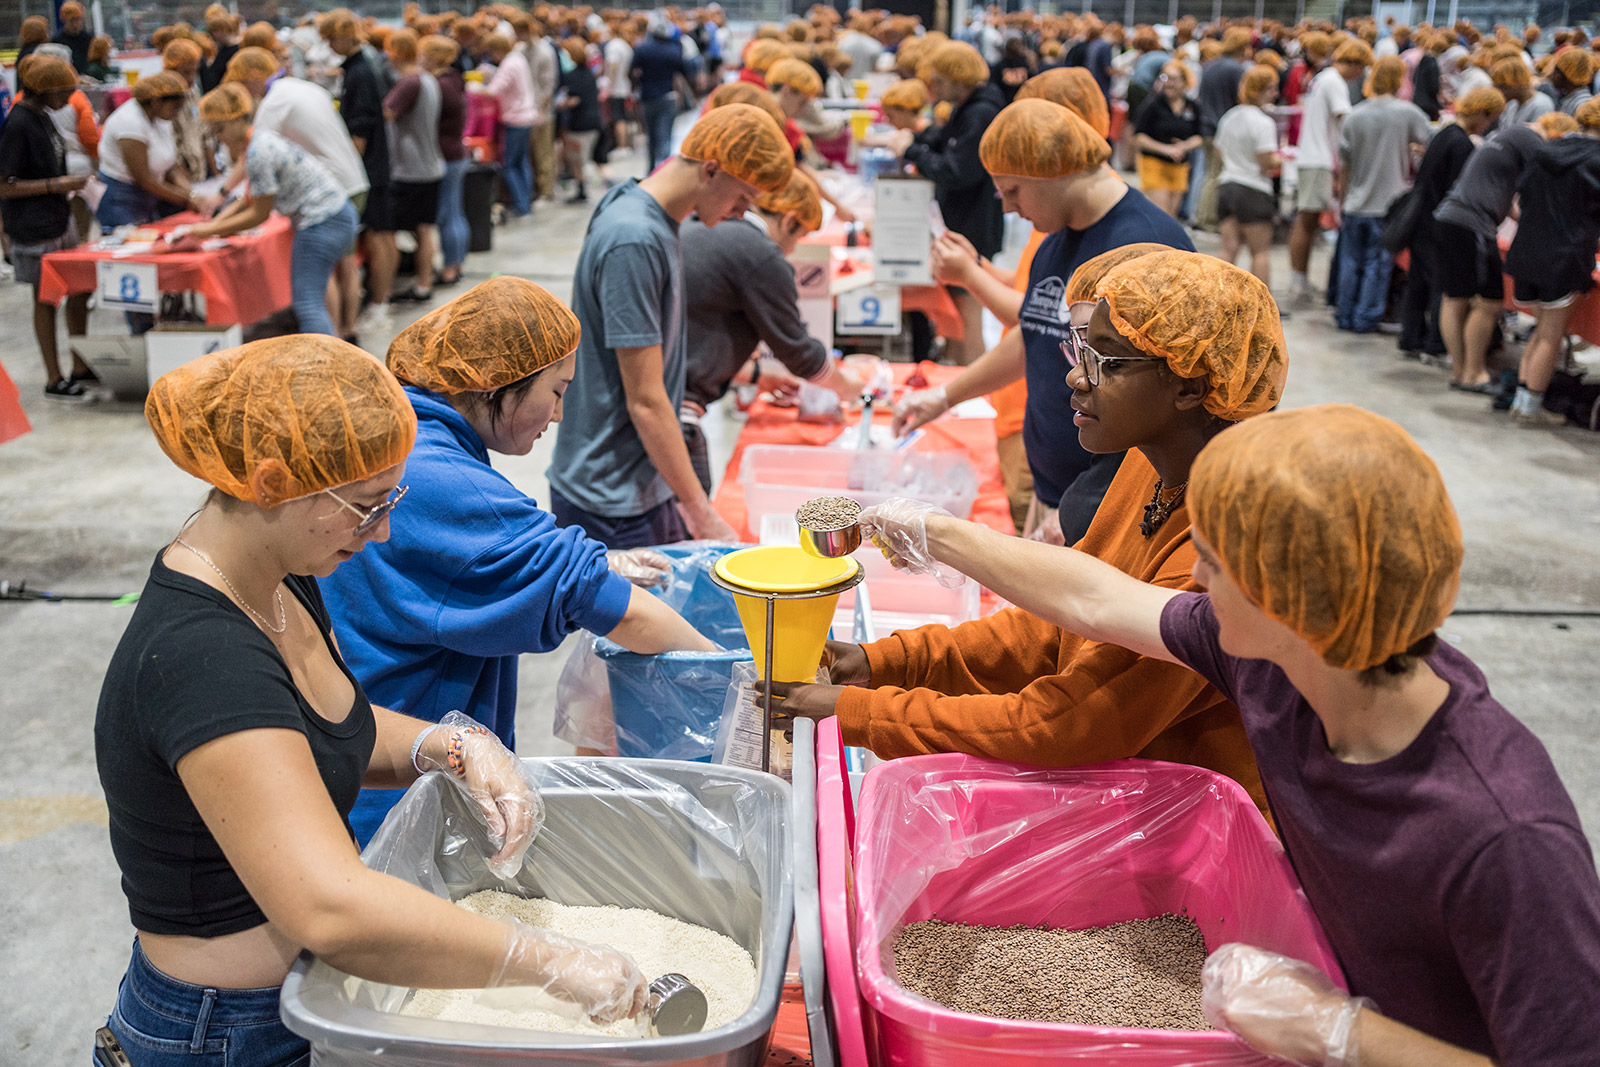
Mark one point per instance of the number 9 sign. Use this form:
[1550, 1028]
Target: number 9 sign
[874, 309]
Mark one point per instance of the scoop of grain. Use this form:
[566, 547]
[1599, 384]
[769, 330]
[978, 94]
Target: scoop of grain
[828, 513]
[659, 945]
[1144, 973]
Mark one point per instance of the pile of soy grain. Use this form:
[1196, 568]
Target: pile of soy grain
[1144, 973]
[659, 945]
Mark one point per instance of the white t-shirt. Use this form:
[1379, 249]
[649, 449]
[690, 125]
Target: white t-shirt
[1324, 104]
[618, 66]
[1245, 131]
[302, 112]
[129, 122]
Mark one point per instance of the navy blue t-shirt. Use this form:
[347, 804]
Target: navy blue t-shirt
[1051, 440]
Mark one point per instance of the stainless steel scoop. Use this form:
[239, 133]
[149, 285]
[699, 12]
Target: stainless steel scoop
[676, 1006]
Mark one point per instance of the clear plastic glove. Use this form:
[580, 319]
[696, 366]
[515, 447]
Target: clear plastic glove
[704, 523]
[899, 528]
[642, 566]
[488, 773]
[1049, 530]
[918, 408]
[1281, 1006]
[573, 978]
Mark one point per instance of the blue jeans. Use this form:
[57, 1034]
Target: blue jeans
[126, 204]
[162, 1022]
[317, 250]
[1364, 268]
[658, 115]
[516, 167]
[454, 232]
[1197, 176]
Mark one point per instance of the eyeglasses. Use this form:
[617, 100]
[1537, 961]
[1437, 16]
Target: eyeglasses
[1077, 350]
[371, 517]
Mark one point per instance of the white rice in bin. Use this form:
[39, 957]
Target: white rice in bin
[659, 945]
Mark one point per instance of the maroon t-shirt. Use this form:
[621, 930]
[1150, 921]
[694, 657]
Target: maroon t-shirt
[1453, 879]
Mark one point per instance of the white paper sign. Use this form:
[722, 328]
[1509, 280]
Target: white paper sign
[902, 237]
[873, 309]
[128, 286]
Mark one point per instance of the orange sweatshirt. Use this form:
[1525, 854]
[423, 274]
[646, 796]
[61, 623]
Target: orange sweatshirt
[1014, 687]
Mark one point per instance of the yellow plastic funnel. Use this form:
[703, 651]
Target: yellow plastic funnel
[799, 626]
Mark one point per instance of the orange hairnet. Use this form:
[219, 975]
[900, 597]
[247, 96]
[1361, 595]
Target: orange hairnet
[260, 35]
[796, 74]
[909, 94]
[745, 93]
[307, 411]
[492, 335]
[252, 64]
[762, 54]
[157, 85]
[1588, 114]
[1207, 319]
[71, 9]
[1511, 73]
[1086, 279]
[226, 102]
[1257, 80]
[1576, 65]
[439, 49]
[1334, 523]
[1387, 75]
[1236, 41]
[402, 45]
[1038, 139]
[46, 74]
[340, 22]
[1481, 101]
[1354, 51]
[180, 52]
[956, 60]
[1073, 88]
[799, 196]
[1315, 43]
[1555, 124]
[744, 141]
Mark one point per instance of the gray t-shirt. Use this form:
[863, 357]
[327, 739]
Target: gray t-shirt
[1480, 199]
[1375, 151]
[628, 293]
[1219, 91]
[1527, 111]
[414, 154]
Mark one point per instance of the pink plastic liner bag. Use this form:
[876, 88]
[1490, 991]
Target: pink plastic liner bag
[977, 841]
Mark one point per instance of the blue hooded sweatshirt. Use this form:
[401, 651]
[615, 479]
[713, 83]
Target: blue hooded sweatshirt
[473, 574]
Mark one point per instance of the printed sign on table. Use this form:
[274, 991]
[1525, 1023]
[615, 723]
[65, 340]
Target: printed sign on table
[128, 286]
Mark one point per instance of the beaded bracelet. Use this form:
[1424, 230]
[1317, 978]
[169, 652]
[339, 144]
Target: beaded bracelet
[452, 752]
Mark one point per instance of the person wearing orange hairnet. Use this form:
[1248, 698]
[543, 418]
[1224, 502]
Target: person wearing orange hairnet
[139, 156]
[74, 33]
[621, 469]
[34, 187]
[1427, 826]
[475, 572]
[1053, 169]
[741, 294]
[1163, 351]
[1571, 77]
[231, 736]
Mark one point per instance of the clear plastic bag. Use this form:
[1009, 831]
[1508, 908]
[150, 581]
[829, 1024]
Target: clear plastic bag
[997, 844]
[739, 732]
[706, 845]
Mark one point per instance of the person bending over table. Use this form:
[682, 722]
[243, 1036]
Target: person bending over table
[33, 207]
[742, 293]
[475, 573]
[1051, 168]
[139, 157]
[285, 177]
[231, 738]
[1175, 349]
[1429, 829]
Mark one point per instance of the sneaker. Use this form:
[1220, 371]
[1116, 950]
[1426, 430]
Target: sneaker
[1540, 417]
[377, 318]
[412, 295]
[66, 389]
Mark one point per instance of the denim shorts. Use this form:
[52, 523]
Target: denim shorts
[162, 1022]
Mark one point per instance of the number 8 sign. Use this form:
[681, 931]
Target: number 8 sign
[129, 286]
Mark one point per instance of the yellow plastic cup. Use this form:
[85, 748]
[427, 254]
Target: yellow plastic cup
[131, 75]
[859, 121]
[799, 627]
[861, 87]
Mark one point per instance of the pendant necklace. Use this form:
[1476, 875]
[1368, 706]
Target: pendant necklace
[283, 619]
[1156, 512]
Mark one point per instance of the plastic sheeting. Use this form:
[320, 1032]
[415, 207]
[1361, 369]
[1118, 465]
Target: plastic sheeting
[978, 841]
[666, 706]
[707, 845]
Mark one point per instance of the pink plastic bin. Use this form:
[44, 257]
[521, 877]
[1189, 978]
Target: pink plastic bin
[836, 891]
[977, 841]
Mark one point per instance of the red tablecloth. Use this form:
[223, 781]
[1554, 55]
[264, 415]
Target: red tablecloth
[768, 425]
[13, 423]
[243, 283]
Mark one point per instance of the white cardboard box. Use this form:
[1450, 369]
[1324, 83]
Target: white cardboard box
[170, 347]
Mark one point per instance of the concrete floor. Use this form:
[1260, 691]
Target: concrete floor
[87, 499]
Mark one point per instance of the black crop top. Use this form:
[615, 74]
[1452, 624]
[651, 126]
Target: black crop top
[190, 668]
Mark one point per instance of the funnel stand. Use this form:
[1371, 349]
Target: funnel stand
[772, 599]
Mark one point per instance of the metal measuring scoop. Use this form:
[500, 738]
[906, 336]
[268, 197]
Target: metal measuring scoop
[829, 544]
[676, 1006]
